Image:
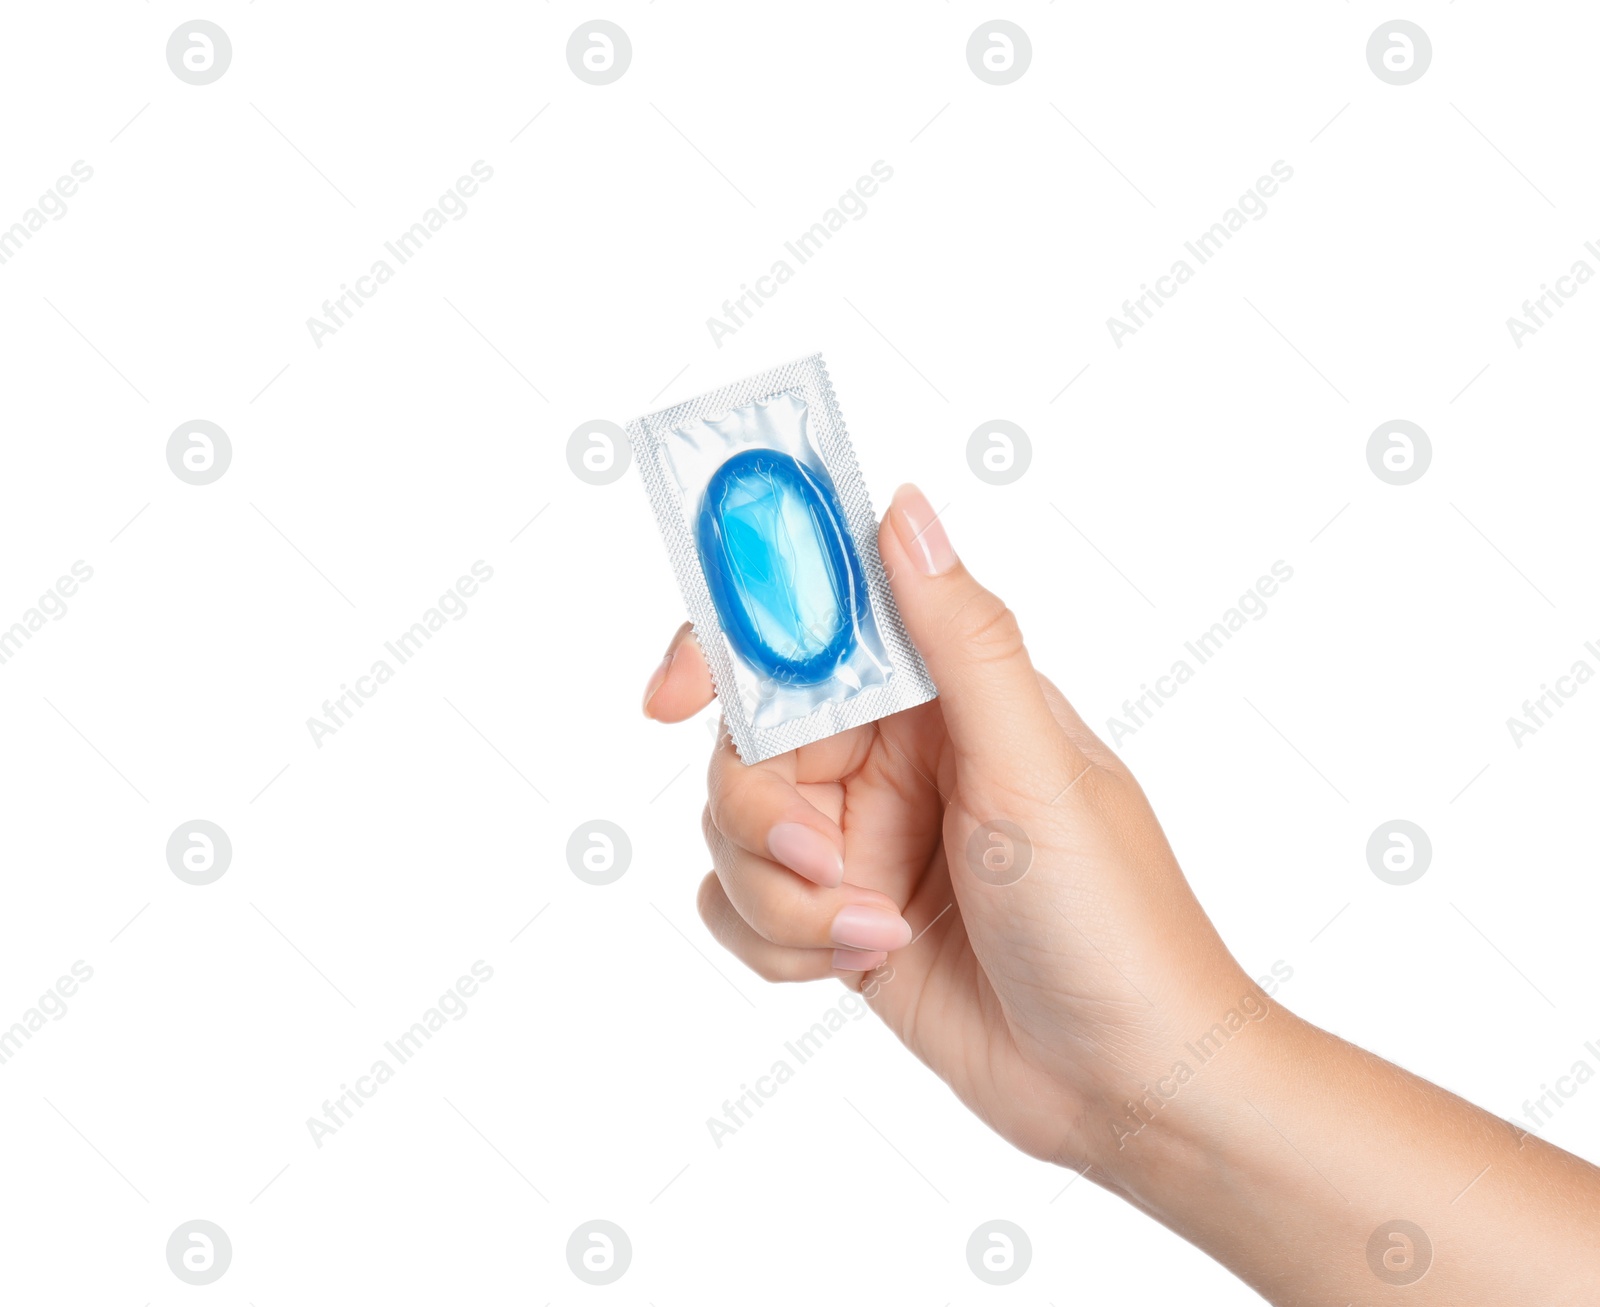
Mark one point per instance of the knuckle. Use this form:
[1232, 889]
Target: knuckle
[749, 900]
[770, 929]
[778, 920]
[986, 628]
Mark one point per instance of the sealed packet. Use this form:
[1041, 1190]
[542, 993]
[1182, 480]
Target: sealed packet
[775, 545]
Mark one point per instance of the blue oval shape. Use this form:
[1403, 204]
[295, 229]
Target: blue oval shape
[781, 566]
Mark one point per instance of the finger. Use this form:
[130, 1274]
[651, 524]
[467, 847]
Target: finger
[759, 809]
[1090, 745]
[989, 692]
[768, 960]
[681, 686]
[794, 913]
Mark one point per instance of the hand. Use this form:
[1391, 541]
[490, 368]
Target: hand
[982, 867]
[1060, 976]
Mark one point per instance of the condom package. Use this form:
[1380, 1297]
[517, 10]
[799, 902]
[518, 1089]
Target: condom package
[775, 545]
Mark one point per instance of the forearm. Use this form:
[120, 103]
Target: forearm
[1292, 1157]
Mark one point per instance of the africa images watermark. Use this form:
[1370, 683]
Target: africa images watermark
[1540, 310]
[1540, 710]
[52, 604]
[1251, 607]
[51, 206]
[1539, 1111]
[1250, 207]
[450, 207]
[451, 606]
[52, 1004]
[452, 1006]
[740, 1110]
[1203, 1049]
[850, 207]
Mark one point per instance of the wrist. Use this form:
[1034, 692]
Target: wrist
[1177, 1122]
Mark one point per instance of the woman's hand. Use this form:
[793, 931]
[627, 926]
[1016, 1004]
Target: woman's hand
[982, 867]
[991, 877]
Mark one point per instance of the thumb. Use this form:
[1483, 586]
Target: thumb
[994, 706]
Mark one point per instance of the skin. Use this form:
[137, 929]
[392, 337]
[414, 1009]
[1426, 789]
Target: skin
[1059, 1005]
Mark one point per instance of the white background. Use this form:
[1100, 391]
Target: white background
[369, 873]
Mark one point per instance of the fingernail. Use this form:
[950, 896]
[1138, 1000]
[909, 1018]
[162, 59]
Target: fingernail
[872, 930]
[806, 851]
[921, 532]
[849, 959]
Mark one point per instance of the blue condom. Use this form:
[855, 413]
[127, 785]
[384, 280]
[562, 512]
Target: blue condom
[770, 531]
[781, 567]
